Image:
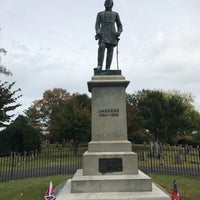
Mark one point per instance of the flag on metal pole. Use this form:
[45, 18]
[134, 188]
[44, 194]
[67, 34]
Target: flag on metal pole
[50, 192]
[175, 193]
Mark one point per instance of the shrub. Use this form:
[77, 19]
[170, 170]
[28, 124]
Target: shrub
[19, 137]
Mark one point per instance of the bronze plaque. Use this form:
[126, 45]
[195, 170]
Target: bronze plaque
[110, 165]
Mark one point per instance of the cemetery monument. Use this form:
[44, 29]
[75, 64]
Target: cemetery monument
[110, 168]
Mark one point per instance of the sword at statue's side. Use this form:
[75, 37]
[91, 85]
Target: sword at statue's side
[117, 54]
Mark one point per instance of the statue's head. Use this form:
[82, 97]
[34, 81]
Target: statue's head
[108, 4]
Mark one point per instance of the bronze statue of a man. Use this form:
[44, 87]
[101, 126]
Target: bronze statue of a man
[107, 34]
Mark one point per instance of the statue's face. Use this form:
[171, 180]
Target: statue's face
[108, 5]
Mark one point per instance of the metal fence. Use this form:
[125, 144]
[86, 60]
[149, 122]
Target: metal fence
[154, 158]
[169, 160]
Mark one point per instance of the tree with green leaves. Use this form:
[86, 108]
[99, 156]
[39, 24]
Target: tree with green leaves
[166, 114]
[135, 122]
[61, 116]
[3, 70]
[44, 112]
[8, 97]
[8, 103]
[75, 122]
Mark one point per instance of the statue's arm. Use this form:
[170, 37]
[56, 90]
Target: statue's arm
[119, 24]
[98, 24]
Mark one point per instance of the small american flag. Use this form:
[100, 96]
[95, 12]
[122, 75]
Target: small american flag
[175, 193]
[50, 192]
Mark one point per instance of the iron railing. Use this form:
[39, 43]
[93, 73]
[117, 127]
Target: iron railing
[154, 158]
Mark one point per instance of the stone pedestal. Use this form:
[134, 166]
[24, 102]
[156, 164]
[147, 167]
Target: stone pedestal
[109, 127]
[110, 168]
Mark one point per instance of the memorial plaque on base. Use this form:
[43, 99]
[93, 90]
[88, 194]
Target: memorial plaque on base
[110, 165]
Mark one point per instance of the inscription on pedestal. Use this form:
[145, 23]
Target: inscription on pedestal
[110, 165]
[108, 112]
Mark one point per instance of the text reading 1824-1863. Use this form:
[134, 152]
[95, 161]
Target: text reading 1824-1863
[108, 112]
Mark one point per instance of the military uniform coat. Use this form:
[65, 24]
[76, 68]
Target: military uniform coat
[105, 27]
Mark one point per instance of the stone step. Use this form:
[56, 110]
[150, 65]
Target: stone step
[108, 183]
[156, 194]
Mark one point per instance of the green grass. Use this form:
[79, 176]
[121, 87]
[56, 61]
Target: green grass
[188, 187]
[34, 189]
[28, 189]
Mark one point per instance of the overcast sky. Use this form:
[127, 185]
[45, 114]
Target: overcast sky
[51, 44]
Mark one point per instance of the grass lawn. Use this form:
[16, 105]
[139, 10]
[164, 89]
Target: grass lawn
[188, 187]
[29, 189]
[34, 189]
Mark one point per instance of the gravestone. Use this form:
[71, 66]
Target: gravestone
[161, 155]
[178, 159]
[156, 149]
[151, 148]
[144, 158]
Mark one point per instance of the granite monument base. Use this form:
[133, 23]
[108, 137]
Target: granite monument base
[110, 168]
[115, 187]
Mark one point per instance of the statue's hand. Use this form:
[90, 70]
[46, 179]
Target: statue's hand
[117, 36]
[98, 36]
